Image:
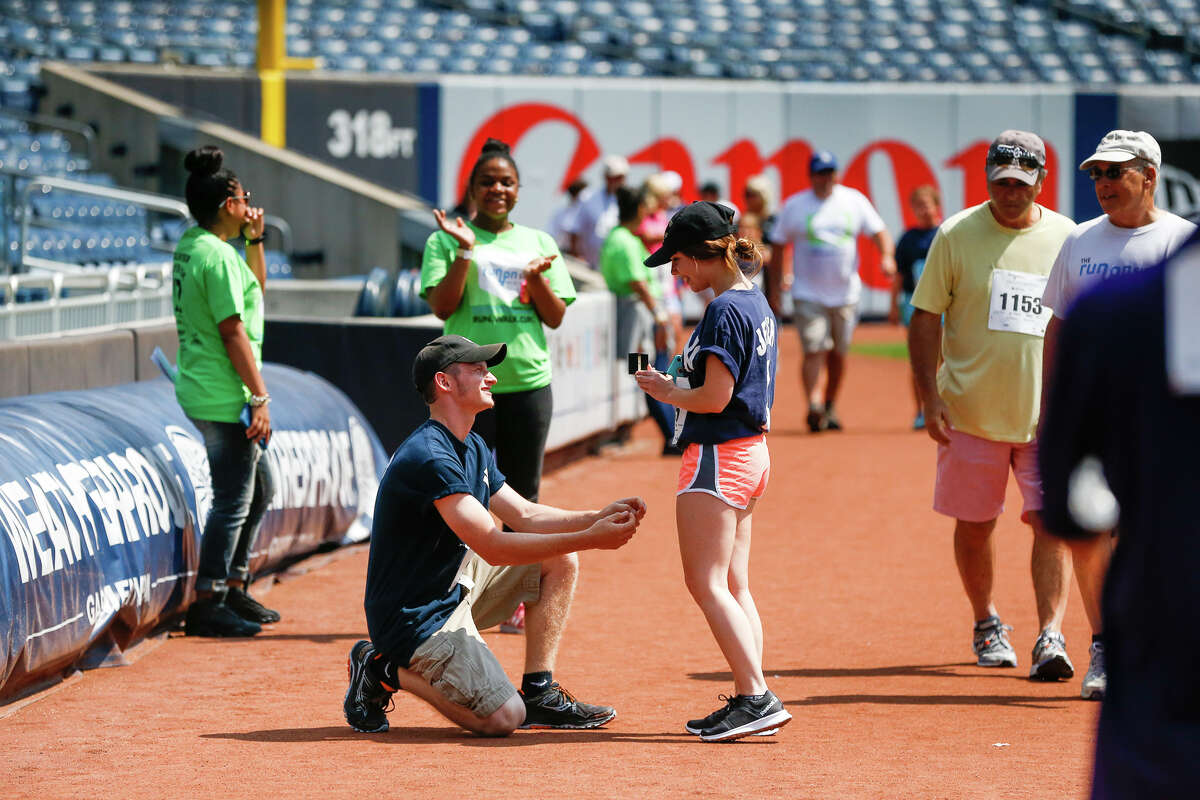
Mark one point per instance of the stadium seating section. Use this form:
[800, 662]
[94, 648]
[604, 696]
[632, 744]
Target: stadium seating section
[1056, 41]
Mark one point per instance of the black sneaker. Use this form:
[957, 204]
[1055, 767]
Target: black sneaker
[832, 423]
[816, 419]
[367, 702]
[248, 608]
[209, 617]
[554, 707]
[748, 717]
[697, 726]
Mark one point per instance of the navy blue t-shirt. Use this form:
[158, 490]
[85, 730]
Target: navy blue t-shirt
[910, 255]
[414, 554]
[738, 327]
[1109, 398]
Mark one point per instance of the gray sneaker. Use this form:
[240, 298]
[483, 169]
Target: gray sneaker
[1050, 661]
[1095, 682]
[991, 644]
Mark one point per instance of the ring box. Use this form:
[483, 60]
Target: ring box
[638, 361]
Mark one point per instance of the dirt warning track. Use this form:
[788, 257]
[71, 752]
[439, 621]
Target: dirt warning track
[867, 644]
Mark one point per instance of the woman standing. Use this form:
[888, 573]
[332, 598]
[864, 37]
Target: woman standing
[219, 317]
[492, 280]
[723, 397]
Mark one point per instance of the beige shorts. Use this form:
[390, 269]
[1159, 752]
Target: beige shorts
[825, 327]
[455, 660]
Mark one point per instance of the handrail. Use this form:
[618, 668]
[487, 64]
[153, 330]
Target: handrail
[285, 232]
[83, 129]
[154, 202]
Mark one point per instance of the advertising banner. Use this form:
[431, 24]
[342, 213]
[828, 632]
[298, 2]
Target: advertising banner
[887, 140]
[103, 494]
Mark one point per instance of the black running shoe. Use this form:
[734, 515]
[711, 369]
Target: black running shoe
[246, 607]
[367, 702]
[748, 717]
[209, 617]
[697, 726]
[815, 419]
[832, 423]
[555, 707]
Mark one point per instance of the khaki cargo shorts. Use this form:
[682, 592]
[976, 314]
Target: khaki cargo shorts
[455, 660]
[825, 327]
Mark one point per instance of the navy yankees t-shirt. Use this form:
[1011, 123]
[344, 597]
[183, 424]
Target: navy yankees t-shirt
[738, 327]
[415, 556]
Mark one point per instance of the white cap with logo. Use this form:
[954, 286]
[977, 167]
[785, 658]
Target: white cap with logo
[1118, 146]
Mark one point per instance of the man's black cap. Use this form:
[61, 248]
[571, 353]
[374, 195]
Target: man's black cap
[446, 350]
[702, 221]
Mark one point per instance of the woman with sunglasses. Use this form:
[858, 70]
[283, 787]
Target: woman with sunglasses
[218, 299]
[723, 396]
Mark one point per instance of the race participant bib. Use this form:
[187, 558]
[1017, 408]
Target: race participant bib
[1016, 303]
[1183, 323]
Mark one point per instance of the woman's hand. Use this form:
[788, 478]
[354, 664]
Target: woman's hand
[252, 223]
[655, 384]
[460, 230]
[260, 424]
[538, 265]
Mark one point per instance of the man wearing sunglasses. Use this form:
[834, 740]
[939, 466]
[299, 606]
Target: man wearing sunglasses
[1130, 236]
[986, 272]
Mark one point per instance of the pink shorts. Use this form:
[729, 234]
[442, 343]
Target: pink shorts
[972, 476]
[734, 472]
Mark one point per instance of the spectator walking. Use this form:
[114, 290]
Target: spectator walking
[822, 224]
[985, 272]
[926, 205]
[563, 220]
[439, 571]
[1131, 235]
[642, 321]
[1125, 394]
[597, 213]
[218, 300]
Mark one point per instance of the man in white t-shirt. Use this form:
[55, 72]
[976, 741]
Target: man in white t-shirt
[823, 224]
[597, 214]
[1130, 236]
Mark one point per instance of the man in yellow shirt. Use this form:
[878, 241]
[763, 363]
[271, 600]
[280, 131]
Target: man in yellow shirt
[985, 272]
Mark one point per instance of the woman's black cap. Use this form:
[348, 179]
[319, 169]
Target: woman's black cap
[702, 221]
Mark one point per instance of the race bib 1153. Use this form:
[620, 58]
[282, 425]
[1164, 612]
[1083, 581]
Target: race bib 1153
[1016, 303]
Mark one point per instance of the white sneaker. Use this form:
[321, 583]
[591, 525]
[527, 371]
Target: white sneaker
[1095, 682]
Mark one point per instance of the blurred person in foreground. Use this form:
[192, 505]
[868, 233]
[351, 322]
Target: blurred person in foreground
[642, 319]
[911, 250]
[218, 300]
[1124, 399]
[985, 274]
[723, 396]
[439, 569]
[822, 224]
[1130, 236]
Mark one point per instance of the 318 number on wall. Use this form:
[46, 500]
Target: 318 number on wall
[368, 134]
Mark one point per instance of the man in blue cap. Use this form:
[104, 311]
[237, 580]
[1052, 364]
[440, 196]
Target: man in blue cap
[823, 224]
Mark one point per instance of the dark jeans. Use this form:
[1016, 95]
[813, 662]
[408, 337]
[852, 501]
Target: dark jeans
[242, 487]
[516, 429]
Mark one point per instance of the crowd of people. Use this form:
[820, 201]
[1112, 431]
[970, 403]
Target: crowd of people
[999, 299]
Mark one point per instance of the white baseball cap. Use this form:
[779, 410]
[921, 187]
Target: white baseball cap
[1118, 146]
[615, 165]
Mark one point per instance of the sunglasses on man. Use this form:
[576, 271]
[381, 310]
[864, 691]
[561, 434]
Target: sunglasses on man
[1007, 155]
[1112, 173]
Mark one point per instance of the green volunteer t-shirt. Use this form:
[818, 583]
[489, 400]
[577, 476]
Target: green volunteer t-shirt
[622, 260]
[211, 283]
[491, 309]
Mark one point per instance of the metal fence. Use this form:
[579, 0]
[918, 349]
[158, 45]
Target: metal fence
[59, 298]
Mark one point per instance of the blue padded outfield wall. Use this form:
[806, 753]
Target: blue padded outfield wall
[103, 494]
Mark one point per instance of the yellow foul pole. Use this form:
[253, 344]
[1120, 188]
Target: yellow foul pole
[273, 63]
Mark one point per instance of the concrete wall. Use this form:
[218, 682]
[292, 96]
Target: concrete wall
[141, 142]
